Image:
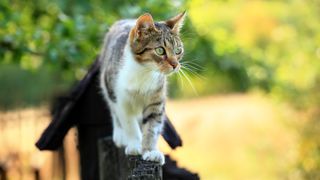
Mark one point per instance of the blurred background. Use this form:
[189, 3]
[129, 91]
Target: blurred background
[247, 107]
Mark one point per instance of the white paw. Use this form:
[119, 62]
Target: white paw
[153, 155]
[133, 149]
[119, 138]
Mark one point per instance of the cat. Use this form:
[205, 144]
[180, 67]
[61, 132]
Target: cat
[137, 56]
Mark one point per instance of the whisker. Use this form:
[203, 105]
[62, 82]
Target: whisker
[179, 78]
[192, 64]
[193, 88]
[191, 60]
[192, 67]
[194, 73]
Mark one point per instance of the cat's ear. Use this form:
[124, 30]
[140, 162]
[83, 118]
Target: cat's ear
[176, 22]
[144, 25]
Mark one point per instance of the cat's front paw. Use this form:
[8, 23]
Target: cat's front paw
[133, 149]
[154, 155]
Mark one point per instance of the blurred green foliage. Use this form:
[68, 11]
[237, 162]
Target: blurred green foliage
[269, 46]
[63, 37]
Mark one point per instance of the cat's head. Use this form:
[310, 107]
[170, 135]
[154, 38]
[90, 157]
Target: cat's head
[157, 44]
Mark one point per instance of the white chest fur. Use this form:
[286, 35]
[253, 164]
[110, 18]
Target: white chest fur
[136, 77]
[135, 83]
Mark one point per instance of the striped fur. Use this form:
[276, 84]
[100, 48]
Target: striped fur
[133, 79]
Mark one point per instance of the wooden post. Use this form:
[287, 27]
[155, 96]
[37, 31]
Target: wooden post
[3, 172]
[36, 173]
[114, 164]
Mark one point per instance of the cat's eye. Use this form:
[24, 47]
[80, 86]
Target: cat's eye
[160, 51]
[178, 50]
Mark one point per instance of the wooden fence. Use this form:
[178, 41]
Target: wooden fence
[20, 159]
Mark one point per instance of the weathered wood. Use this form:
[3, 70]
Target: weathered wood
[143, 170]
[114, 164]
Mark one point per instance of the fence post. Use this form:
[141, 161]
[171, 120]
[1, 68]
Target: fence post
[36, 173]
[3, 172]
[114, 164]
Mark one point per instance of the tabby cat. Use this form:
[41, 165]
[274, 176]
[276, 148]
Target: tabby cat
[137, 56]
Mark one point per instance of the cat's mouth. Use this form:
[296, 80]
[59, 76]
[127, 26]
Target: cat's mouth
[165, 69]
[171, 70]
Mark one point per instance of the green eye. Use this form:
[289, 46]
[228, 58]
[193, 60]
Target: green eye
[178, 50]
[160, 51]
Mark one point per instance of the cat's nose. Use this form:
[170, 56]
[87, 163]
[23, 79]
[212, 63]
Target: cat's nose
[174, 64]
